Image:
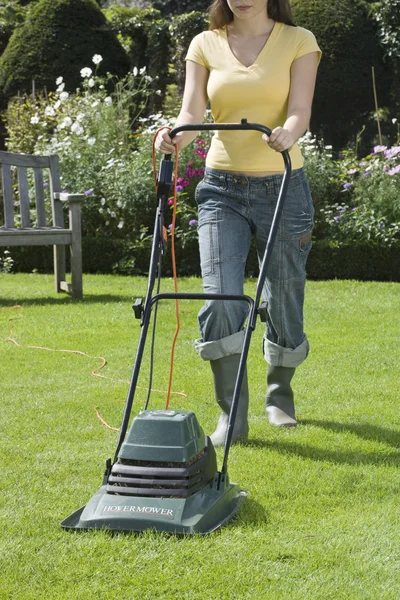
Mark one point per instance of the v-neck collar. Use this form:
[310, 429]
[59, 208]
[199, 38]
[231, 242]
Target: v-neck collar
[263, 50]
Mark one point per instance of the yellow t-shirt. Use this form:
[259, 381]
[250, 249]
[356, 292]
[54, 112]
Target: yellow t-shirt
[258, 93]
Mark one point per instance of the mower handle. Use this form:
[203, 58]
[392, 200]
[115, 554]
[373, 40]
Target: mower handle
[242, 126]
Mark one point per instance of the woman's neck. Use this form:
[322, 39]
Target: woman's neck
[251, 28]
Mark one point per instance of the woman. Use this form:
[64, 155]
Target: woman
[253, 63]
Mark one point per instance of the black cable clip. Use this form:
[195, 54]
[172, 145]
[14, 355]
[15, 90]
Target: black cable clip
[138, 308]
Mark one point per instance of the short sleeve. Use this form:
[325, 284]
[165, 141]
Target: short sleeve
[196, 51]
[306, 44]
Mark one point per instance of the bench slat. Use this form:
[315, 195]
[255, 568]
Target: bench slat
[21, 160]
[8, 196]
[24, 202]
[39, 195]
[34, 237]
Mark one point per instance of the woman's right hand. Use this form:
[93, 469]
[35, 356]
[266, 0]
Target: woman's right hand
[163, 142]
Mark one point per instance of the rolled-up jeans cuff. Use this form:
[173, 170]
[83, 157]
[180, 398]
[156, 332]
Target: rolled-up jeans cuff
[232, 344]
[278, 356]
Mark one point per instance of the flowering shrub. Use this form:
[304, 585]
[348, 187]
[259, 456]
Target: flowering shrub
[92, 133]
[365, 205]
[6, 262]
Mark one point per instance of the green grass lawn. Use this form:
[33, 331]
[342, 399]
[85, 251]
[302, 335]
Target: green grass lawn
[322, 520]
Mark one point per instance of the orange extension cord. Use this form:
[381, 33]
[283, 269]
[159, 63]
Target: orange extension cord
[95, 372]
[175, 277]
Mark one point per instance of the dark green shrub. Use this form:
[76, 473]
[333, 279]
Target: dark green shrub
[179, 7]
[11, 15]
[148, 38]
[58, 38]
[183, 29]
[387, 15]
[363, 262]
[344, 99]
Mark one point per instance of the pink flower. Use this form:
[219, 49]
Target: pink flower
[183, 182]
[200, 152]
[394, 171]
[378, 149]
[394, 151]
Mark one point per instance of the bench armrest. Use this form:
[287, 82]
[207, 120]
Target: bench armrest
[65, 197]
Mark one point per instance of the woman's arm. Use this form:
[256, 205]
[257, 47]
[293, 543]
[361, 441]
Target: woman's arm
[303, 74]
[194, 104]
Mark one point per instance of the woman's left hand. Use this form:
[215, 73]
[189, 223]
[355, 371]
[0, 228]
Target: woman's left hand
[280, 139]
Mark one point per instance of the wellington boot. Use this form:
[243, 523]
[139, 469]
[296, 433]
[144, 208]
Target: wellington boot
[279, 403]
[225, 371]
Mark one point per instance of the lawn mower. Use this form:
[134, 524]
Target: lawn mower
[164, 474]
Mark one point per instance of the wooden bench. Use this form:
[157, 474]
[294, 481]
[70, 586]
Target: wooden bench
[26, 223]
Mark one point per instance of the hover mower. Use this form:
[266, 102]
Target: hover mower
[164, 475]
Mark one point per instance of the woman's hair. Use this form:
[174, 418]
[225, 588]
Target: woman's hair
[221, 14]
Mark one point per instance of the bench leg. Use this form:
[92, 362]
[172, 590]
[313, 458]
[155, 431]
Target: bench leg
[76, 249]
[59, 266]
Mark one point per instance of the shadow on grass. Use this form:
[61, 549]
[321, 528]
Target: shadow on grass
[363, 430]
[67, 300]
[251, 513]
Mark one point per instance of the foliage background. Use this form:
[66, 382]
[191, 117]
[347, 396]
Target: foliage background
[102, 129]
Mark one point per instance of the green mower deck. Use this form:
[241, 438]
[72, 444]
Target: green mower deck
[165, 479]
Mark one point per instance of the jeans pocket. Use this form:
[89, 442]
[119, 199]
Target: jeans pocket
[197, 191]
[298, 209]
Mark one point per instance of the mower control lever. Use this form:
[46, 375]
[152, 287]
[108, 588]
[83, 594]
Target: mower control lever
[138, 307]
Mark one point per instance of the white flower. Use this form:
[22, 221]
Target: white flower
[108, 100]
[97, 58]
[80, 116]
[59, 80]
[148, 78]
[49, 111]
[91, 141]
[112, 214]
[64, 95]
[61, 87]
[57, 104]
[158, 92]
[103, 201]
[95, 103]
[394, 121]
[120, 225]
[34, 120]
[77, 128]
[135, 71]
[86, 72]
[91, 82]
[67, 122]
[101, 87]
[142, 70]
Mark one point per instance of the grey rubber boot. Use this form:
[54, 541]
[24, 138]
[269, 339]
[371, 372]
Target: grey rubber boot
[225, 371]
[279, 403]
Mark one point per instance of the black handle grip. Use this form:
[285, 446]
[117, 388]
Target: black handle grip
[242, 126]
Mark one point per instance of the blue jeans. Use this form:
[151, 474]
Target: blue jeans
[233, 209]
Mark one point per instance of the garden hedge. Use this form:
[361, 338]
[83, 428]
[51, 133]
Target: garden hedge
[59, 37]
[363, 262]
[179, 7]
[348, 37]
[148, 39]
